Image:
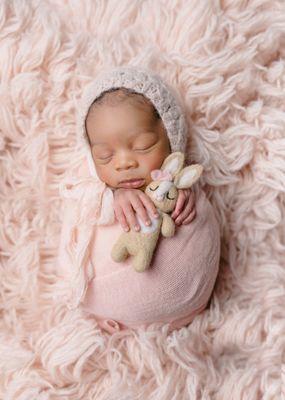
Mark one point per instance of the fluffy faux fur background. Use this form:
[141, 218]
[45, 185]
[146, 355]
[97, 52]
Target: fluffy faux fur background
[227, 59]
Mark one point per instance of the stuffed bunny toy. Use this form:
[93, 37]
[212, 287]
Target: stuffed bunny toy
[163, 192]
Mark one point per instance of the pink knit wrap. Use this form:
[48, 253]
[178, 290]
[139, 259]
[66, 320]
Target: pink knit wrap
[176, 287]
[179, 283]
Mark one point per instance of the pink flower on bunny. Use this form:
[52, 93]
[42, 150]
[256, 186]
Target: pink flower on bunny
[163, 191]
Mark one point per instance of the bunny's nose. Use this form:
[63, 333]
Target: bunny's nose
[159, 197]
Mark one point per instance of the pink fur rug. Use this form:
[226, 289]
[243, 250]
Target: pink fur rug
[227, 59]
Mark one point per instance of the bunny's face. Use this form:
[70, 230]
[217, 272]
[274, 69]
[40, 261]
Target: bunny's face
[163, 194]
[163, 190]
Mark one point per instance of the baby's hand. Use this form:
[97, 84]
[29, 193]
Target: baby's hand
[184, 211]
[129, 201]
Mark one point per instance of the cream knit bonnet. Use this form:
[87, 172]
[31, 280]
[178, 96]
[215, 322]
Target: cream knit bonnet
[166, 101]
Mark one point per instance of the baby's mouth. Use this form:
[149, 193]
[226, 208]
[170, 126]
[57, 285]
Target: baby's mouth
[132, 183]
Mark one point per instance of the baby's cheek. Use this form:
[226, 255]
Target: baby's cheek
[105, 174]
[148, 179]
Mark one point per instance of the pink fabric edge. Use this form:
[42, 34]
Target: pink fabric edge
[112, 326]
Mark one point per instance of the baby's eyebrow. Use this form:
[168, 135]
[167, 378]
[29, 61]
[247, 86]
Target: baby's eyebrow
[135, 135]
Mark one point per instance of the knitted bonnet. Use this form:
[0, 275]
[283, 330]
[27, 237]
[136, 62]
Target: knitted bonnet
[166, 101]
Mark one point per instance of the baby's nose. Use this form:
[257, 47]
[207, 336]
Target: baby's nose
[126, 164]
[125, 159]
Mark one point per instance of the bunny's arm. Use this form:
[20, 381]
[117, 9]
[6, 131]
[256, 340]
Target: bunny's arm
[167, 226]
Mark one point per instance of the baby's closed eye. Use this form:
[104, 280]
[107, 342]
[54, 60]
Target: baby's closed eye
[103, 156]
[143, 147]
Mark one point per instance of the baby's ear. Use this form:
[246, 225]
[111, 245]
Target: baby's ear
[173, 163]
[188, 176]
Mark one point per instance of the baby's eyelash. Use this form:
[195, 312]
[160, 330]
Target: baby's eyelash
[145, 148]
[105, 160]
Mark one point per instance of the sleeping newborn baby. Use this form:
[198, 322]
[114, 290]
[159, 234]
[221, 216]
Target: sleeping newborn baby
[130, 122]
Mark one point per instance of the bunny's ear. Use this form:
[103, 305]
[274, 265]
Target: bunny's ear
[188, 176]
[173, 163]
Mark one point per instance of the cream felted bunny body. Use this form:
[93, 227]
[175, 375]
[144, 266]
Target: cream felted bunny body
[163, 192]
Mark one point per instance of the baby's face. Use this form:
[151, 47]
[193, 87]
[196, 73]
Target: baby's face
[127, 143]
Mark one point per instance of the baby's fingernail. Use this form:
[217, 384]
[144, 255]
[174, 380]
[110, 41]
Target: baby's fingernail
[126, 228]
[156, 215]
[137, 228]
[147, 222]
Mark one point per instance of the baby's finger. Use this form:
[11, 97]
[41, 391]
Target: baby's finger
[122, 219]
[179, 204]
[184, 214]
[149, 205]
[139, 207]
[131, 217]
[191, 198]
[190, 218]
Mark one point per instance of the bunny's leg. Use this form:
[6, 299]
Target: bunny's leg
[142, 260]
[119, 251]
